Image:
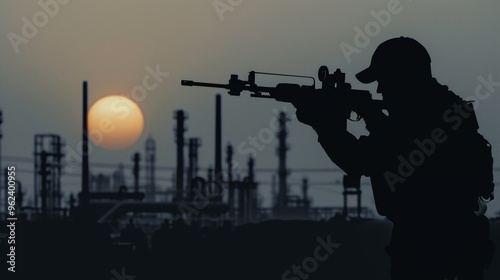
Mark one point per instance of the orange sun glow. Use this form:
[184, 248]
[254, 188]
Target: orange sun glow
[115, 122]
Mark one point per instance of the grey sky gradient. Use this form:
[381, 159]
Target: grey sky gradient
[110, 44]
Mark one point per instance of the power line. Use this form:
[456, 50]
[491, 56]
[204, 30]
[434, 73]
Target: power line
[170, 168]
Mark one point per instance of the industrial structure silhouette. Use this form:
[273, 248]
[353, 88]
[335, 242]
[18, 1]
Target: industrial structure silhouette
[202, 226]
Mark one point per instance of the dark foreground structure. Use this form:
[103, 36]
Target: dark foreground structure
[277, 249]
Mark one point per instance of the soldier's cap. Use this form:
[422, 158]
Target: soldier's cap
[393, 56]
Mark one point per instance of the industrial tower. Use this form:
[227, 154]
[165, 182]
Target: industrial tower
[2, 191]
[150, 169]
[194, 144]
[180, 117]
[282, 171]
[48, 163]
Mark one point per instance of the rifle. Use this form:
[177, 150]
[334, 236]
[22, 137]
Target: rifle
[355, 100]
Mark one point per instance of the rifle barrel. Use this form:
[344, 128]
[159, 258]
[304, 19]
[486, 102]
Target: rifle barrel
[200, 84]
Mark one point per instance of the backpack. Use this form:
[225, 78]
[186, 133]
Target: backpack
[484, 169]
[482, 160]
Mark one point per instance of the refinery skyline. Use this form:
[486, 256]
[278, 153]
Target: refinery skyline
[144, 50]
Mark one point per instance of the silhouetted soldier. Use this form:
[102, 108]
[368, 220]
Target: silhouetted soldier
[428, 165]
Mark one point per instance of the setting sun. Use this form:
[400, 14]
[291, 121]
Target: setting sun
[115, 122]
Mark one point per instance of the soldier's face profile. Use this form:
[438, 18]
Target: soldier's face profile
[393, 91]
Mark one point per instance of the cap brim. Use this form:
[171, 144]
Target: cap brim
[366, 76]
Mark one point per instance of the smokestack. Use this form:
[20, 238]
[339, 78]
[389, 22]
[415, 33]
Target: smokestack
[282, 171]
[136, 158]
[180, 117]
[150, 168]
[85, 154]
[230, 184]
[251, 203]
[241, 198]
[2, 191]
[273, 190]
[44, 174]
[305, 188]
[194, 143]
[218, 145]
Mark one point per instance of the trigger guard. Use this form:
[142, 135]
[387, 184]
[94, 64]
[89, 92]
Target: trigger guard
[358, 117]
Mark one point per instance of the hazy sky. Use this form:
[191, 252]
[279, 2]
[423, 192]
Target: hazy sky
[49, 47]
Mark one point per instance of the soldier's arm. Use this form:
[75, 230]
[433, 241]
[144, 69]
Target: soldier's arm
[345, 150]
